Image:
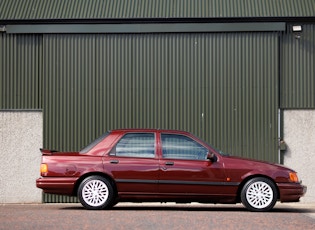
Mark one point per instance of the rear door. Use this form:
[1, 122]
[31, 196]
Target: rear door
[185, 169]
[134, 164]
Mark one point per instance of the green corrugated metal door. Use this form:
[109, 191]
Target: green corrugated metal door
[222, 87]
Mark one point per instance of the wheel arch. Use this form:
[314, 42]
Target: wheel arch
[245, 180]
[104, 175]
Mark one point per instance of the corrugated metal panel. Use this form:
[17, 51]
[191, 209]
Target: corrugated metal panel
[50, 198]
[20, 71]
[222, 87]
[69, 90]
[86, 9]
[298, 68]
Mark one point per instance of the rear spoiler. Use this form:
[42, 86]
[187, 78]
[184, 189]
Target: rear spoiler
[47, 151]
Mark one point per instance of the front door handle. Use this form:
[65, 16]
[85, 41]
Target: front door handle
[169, 163]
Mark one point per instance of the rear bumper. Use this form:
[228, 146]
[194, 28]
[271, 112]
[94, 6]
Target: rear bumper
[291, 192]
[57, 185]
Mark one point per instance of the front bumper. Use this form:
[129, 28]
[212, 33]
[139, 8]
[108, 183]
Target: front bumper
[291, 192]
[57, 185]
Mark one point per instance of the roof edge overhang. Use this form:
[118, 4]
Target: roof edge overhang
[145, 28]
[156, 20]
[151, 25]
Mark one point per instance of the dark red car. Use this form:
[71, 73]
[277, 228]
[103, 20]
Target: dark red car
[149, 165]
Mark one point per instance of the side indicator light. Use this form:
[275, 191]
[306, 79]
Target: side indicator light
[43, 168]
[293, 177]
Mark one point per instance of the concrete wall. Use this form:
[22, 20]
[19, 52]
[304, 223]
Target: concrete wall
[21, 136]
[299, 135]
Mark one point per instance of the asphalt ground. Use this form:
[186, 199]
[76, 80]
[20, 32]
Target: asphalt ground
[156, 216]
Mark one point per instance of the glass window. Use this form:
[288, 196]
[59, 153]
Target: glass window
[136, 145]
[182, 147]
[94, 143]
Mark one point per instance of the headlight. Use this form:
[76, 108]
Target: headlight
[293, 177]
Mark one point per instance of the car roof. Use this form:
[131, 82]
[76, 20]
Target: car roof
[126, 130]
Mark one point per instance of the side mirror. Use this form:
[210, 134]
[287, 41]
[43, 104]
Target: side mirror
[212, 157]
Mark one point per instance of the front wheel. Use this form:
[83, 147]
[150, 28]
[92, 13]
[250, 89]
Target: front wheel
[96, 192]
[259, 194]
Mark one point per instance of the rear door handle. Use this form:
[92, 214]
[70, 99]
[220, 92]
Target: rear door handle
[169, 163]
[114, 161]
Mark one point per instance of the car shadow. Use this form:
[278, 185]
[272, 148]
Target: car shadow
[193, 208]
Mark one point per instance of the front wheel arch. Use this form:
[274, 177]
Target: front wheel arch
[241, 185]
[259, 194]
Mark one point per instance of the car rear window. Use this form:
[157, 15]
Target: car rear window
[94, 143]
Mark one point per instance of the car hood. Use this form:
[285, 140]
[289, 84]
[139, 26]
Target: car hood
[253, 164]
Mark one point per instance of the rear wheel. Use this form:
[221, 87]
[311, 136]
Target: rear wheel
[259, 194]
[96, 192]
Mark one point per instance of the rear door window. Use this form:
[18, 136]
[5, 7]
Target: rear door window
[136, 145]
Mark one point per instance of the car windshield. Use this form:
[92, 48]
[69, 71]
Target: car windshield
[94, 143]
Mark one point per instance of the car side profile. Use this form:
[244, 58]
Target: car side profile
[152, 165]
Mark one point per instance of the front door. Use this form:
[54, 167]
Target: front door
[185, 169]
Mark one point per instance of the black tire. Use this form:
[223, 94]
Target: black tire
[259, 194]
[96, 193]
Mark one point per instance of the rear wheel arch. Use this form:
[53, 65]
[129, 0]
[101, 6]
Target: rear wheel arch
[83, 177]
[96, 192]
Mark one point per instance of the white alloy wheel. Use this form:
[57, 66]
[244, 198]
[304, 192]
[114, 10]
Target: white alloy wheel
[96, 192]
[259, 194]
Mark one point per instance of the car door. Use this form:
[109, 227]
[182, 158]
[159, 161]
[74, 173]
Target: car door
[134, 165]
[185, 169]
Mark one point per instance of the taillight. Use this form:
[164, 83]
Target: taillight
[43, 169]
[293, 177]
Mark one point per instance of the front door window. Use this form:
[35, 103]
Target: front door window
[182, 147]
